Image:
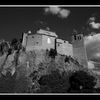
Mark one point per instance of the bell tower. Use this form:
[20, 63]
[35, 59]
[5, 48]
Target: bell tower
[79, 49]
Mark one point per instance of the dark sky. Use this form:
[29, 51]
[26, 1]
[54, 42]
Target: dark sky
[15, 20]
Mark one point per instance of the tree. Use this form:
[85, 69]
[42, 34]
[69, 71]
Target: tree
[4, 47]
[52, 53]
[1, 49]
[23, 83]
[14, 44]
[55, 82]
[14, 41]
[9, 51]
[7, 83]
[67, 59]
[81, 81]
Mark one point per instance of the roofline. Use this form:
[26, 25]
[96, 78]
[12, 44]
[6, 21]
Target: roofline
[42, 34]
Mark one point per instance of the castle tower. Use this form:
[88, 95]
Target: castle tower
[79, 50]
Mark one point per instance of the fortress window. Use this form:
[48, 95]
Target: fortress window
[79, 37]
[75, 37]
[48, 41]
[32, 36]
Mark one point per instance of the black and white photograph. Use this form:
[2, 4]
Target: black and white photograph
[49, 49]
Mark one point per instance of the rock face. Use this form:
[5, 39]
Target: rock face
[9, 64]
[2, 59]
[38, 60]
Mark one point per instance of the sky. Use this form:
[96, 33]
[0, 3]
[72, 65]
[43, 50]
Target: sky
[63, 20]
[16, 20]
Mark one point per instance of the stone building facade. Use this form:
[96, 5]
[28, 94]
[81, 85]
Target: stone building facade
[46, 40]
[43, 40]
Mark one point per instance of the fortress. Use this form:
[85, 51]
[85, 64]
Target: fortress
[44, 39]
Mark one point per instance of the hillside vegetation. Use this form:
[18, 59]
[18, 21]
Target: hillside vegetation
[41, 71]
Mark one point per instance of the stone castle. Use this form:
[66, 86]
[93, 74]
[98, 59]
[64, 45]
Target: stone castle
[44, 39]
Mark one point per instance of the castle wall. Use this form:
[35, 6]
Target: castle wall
[43, 41]
[48, 42]
[64, 47]
[34, 42]
[38, 41]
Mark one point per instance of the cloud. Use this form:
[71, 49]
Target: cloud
[92, 44]
[92, 19]
[92, 38]
[93, 24]
[64, 13]
[55, 10]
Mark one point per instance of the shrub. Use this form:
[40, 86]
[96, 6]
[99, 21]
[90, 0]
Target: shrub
[52, 53]
[14, 44]
[9, 51]
[67, 59]
[55, 82]
[81, 81]
[14, 41]
[23, 85]
[7, 83]
[4, 47]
